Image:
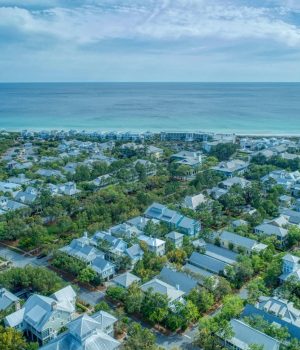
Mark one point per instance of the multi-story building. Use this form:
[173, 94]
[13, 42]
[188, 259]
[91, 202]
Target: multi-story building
[41, 318]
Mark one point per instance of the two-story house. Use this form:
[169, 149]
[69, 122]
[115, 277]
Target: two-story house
[231, 168]
[42, 318]
[176, 238]
[290, 267]
[87, 332]
[157, 286]
[155, 245]
[173, 219]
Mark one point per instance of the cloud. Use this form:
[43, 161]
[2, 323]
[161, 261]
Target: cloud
[149, 40]
[93, 21]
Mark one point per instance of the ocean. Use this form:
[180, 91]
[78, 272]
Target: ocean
[243, 108]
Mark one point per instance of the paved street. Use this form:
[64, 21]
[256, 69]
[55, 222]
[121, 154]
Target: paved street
[179, 341]
[183, 341]
[19, 260]
[91, 298]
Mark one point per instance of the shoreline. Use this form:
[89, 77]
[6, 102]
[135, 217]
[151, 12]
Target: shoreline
[155, 132]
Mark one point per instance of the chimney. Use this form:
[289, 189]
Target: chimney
[85, 234]
[177, 287]
[17, 305]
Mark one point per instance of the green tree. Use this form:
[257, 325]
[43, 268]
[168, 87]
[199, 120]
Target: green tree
[116, 293]
[102, 306]
[140, 338]
[10, 339]
[294, 236]
[134, 299]
[154, 307]
[87, 275]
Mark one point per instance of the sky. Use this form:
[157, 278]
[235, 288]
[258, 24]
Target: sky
[149, 40]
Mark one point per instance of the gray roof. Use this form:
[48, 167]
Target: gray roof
[281, 308]
[139, 221]
[158, 286]
[251, 311]
[291, 258]
[100, 265]
[6, 299]
[231, 166]
[197, 270]
[151, 241]
[81, 249]
[174, 235]
[160, 212]
[126, 279]
[238, 240]
[177, 279]
[207, 263]
[38, 309]
[270, 230]
[235, 181]
[193, 202]
[25, 197]
[225, 255]
[86, 333]
[244, 335]
[135, 252]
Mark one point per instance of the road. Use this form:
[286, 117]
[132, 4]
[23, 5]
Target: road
[19, 260]
[180, 341]
[91, 298]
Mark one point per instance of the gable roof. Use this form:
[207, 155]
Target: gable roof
[177, 279]
[174, 235]
[100, 265]
[238, 240]
[244, 335]
[219, 253]
[251, 310]
[38, 309]
[86, 333]
[134, 252]
[126, 279]
[6, 299]
[270, 230]
[193, 202]
[161, 287]
[207, 262]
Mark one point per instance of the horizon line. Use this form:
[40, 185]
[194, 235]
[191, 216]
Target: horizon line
[149, 82]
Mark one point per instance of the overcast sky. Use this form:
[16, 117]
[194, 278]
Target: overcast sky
[150, 40]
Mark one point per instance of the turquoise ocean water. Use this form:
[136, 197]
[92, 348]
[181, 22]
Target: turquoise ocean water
[247, 108]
